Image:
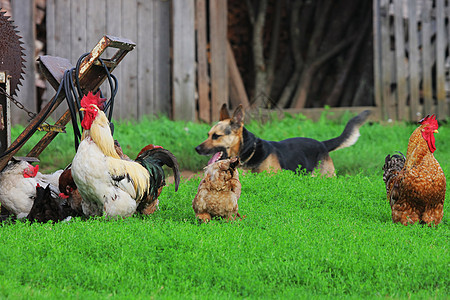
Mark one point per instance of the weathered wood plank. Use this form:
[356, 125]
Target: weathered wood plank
[218, 40]
[78, 34]
[204, 104]
[95, 22]
[377, 42]
[114, 27]
[78, 30]
[389, 109]
[63, 43]
[448, 44]
[50, 26]
[129, 107]
[96, 29]
[238, 95]
[162, 56]
[145, 69]
[427, 61]
[400, 59]
[23, 16]
[50, 39]
[183, 60]
[441, 41]
[414, 71]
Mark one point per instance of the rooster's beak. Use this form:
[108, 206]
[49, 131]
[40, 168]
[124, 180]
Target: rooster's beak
[82, 109]
[436, 131]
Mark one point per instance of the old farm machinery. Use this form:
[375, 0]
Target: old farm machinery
[70, 83]
[91, 71]
[11, 70]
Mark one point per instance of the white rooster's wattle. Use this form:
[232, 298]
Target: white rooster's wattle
[18, 183]
[110, 185]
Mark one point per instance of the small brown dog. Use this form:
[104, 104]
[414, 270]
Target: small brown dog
[219, 190]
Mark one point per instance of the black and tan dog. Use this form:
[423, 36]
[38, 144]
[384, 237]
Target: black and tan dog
[231, 138]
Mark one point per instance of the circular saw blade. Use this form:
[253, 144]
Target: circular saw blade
[11, 52]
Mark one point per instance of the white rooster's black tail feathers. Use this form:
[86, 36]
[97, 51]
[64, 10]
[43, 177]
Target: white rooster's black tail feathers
[153, 160]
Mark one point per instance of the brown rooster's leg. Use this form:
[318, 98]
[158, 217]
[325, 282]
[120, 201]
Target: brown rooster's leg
[433, 215]
[205, 217]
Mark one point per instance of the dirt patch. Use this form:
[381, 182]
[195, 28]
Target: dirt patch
[185, 175]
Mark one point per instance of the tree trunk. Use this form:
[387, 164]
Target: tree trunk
[305, 80]
[271, 63]
[333, 98]
[259, 67]
[286, 95]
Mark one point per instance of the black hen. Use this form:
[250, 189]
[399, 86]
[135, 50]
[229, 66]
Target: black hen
[47, 207]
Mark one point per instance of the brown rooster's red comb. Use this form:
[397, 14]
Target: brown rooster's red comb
[90, 98]
[429, 120]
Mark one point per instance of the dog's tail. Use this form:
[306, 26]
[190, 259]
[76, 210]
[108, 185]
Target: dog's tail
[350, 134]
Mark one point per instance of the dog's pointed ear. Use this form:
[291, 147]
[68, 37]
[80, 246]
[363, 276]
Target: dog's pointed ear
[224, 114]
[239, 114]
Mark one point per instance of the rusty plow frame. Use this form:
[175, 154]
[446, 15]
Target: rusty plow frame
[93, 71]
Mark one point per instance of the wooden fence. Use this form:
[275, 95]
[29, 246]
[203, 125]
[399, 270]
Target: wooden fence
[75, 26]
[178, 68]
[184, 67]
[22, 12]
[411, 66]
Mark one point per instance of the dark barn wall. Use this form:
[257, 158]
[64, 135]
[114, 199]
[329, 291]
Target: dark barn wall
[306, 32]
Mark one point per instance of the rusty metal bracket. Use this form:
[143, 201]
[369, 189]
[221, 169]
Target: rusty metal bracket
[5, 108]
[50, 128]
[91, 76]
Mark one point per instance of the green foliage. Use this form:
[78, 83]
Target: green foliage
[302, 237]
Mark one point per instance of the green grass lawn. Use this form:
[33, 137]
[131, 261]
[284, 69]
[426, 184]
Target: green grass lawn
[302, 237]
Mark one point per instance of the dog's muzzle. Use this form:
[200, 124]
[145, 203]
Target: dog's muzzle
[200, 150]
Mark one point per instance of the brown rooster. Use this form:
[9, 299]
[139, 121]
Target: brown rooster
[219, 190]
[416, 184]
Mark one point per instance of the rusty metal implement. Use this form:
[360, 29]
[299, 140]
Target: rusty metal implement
[11, 52]
[92, 74]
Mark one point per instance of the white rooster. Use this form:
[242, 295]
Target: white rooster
[18, 183]
[110, 185]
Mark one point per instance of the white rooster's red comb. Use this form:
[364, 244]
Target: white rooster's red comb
[31, 171]
[90, 98]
